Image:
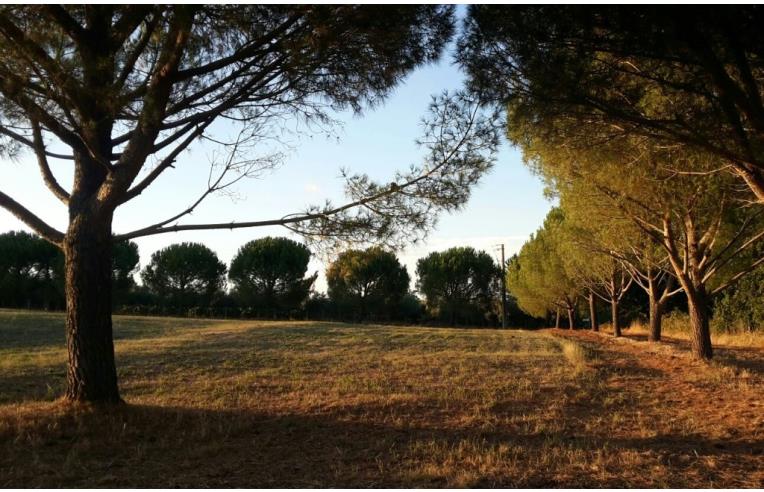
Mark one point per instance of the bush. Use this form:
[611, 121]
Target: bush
[676, 322]
[741, 307]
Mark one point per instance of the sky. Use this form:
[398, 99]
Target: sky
[506, 206]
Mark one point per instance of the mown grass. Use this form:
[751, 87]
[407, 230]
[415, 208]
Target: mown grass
[261, 404]
[678, 327]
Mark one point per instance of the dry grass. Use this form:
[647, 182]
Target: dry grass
[263, 404]
[577, 354]
[680, 330]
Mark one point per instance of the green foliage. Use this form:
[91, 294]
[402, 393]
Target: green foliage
[269, 273]
[459, 285]
[741, 307]
[185, 274]
[256, 66]
[537, 276]
[30, 271]
[688, 76]
[125, 259]
[367, 282]
[633, 200]
[460, 138]
[410, 309]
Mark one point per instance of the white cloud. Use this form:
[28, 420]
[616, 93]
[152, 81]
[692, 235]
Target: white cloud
[312, 188]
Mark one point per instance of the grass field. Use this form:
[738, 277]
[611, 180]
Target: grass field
[734, 340]
[263, 404]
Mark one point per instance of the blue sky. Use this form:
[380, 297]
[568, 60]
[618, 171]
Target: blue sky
[505, 207]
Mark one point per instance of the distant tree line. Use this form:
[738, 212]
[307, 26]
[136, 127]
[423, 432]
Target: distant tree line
[268, 278]
[31, 272]
[554, 279]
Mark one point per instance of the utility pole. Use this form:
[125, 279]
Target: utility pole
[503, 289]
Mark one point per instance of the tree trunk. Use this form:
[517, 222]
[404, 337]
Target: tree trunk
[753, 179]
[91, 373]
[656, 312]
[593, 312]
[557, 319]
[656, 321]
[697, 302]
[571, 319]
[614, 316]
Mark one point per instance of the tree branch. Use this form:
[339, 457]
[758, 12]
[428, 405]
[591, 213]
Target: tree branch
[738, 276]
[161, 228]
[12, 87]
[37, 224]
[241, 54]
[66, 22]
[135, 53]
[166, 163]
[42, 161]
[29, 143]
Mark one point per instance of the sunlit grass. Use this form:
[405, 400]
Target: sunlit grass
[680, 329]
[263, 404]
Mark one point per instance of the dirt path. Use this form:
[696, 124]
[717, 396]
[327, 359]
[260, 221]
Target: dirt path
[707, 418]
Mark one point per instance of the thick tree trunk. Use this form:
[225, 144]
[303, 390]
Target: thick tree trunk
[593, 312]
[571, 319]
[557, 319]
[614, 316]
[91, 373]
[656, 320]
[656, 312]
[697, 302]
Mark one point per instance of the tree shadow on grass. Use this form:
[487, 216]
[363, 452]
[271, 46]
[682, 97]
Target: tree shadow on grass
[153, 446]
[750, 359]
[44, 383]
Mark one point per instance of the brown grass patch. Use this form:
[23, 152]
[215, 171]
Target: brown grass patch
[254, 404]
[680, 331]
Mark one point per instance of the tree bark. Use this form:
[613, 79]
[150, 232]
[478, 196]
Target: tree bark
[614, 316]
[557, 319]
[753, 179]
[593, 312]
[91, 373]
[656, 321]
[656, 312]
[571, 319]
[697, 302]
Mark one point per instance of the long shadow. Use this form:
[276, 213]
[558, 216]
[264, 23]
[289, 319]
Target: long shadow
[742, 361]
[151, 446]
[36, 330]
[741, 358]
[409, 443]
[41, 384]
[355, 445]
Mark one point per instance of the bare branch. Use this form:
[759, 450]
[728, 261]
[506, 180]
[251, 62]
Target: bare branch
[42, 161]
[37, 224]
[742, 248]
[29, 143]
[165, 164]
[738, 276]
[246, 168]
[12, 87]
[243, 53]
[137, 50]
[465, 141]
[67, 23]
[37, 55]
